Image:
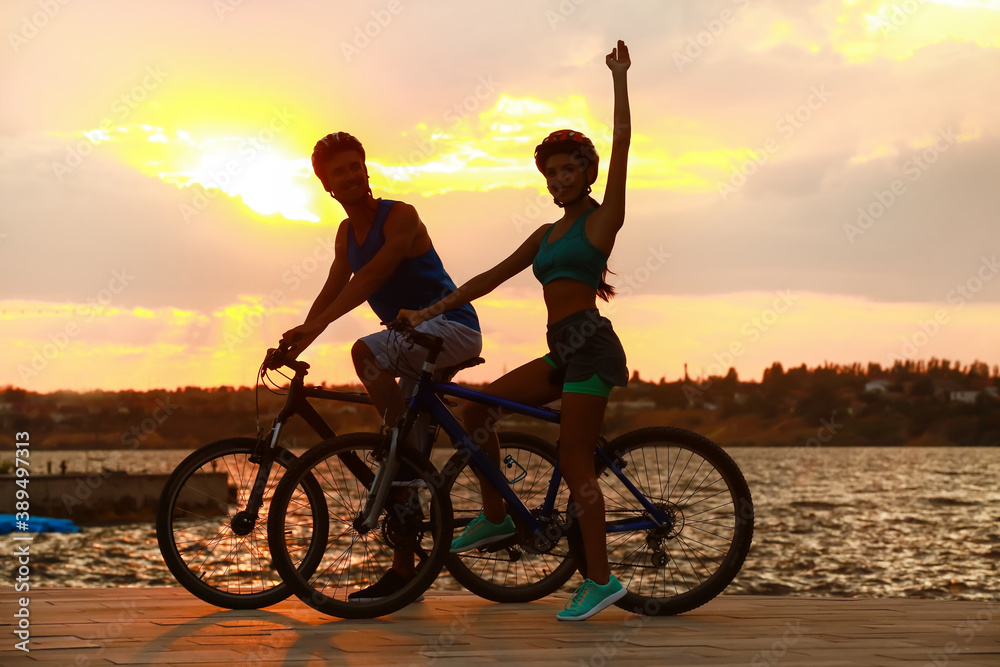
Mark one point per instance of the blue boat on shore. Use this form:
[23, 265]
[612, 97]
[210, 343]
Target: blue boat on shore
[36, 524]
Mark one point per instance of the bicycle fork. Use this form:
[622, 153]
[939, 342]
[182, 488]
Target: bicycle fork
[244, 521]
[381, 485]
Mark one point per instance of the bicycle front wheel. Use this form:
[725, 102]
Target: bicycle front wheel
[522, 568]
[413, 530]
[212, 545]
[674, 568]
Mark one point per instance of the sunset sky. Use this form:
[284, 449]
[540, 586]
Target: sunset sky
[809, 180]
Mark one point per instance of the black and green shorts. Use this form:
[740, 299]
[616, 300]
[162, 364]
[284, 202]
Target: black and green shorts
[585, 354]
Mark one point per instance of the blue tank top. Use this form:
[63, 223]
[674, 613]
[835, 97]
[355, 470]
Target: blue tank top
[417, 281]
[572, 255]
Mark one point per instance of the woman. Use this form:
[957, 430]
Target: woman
[585, 359]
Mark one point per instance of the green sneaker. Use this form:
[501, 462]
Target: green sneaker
[480, 532]
[592, 598]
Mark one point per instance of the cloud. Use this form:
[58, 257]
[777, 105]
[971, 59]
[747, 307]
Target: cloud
[796, 224]
[418, 76]
[66, 237]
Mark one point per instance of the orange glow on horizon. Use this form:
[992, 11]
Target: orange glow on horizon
[166, 348]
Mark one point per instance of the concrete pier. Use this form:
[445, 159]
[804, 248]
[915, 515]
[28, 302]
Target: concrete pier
[111, 496]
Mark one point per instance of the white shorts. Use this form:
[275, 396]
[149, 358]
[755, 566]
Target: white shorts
[394, 354]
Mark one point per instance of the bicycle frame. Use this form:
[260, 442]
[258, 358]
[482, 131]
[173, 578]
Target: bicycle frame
[426, 399]
[296, 404]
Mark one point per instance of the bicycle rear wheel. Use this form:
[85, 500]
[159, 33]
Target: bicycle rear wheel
[676, 568]
[519, 569]
[416, 522]
[212, 545]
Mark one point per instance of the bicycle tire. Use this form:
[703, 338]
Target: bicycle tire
[353, 558]
[704, 491]
[514, 570]
[195, 527]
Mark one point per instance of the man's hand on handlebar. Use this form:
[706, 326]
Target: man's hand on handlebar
[284, 355]
[275, 357]
[297, 339]
[289, 347]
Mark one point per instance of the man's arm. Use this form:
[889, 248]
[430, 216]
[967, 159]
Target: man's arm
[400, 229]
[336, 280]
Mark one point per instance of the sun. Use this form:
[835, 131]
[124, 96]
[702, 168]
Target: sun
[271, 179]
[265, 180]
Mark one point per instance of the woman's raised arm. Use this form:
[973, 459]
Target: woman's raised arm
[614, 197]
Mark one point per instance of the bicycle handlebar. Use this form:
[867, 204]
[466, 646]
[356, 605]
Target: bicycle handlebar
[278, 356]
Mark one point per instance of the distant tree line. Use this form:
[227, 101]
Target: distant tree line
[911, 399]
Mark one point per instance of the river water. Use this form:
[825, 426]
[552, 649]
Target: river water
[863, 522]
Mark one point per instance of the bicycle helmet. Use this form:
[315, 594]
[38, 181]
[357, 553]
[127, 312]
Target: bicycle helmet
[569, 142]
[329, 146]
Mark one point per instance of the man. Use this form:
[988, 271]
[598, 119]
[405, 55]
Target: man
[383, 255]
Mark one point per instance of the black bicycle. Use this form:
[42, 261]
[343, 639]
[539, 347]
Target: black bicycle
[212, 514]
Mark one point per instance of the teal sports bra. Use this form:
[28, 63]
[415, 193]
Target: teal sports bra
[572, 255]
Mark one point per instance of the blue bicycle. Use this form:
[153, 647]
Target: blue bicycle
[679, 512]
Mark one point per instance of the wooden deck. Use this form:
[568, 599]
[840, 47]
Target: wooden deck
[145, 626]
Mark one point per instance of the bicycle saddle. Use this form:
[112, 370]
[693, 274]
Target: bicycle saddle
[446, 373]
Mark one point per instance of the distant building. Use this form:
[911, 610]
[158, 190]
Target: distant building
[964, 395]
[877, 387]
[971, 395]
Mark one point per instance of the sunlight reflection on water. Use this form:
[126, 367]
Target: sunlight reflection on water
[874, 522]
[867, 522]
